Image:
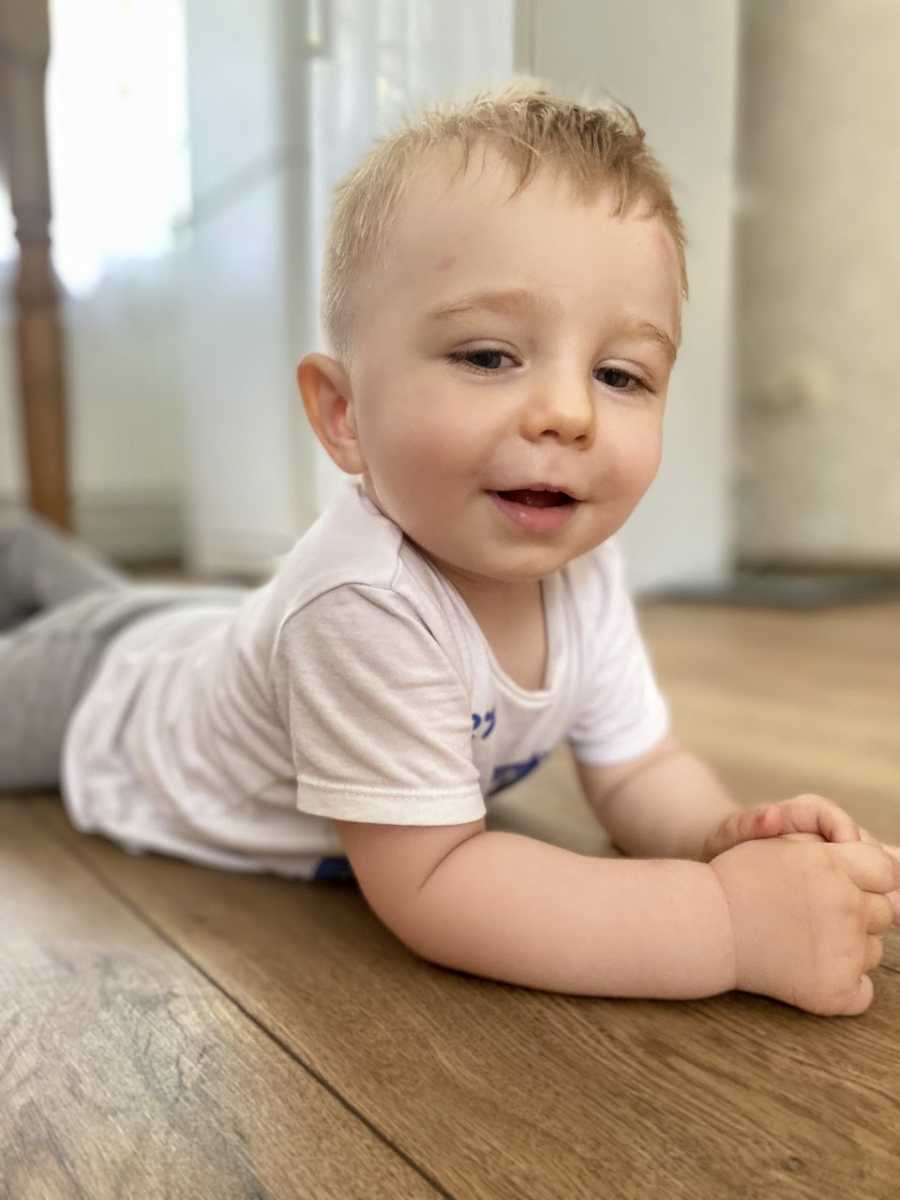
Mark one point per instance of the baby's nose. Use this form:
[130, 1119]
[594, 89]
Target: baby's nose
[565, 412]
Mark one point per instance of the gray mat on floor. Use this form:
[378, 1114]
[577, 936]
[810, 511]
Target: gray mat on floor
[800, 591]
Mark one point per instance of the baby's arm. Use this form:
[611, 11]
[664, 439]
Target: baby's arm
[799, 921]
[512, 908]
[669, 803]
[664, 804]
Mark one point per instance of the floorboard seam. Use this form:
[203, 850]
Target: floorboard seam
[283, 1046]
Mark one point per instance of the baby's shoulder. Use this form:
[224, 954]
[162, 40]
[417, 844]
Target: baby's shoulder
[350, 544]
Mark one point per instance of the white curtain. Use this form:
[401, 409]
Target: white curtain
[117, 134]
[119, 174]
[194, 145]
[285, 96]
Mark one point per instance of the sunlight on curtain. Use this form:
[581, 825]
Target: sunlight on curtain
[117, 133]
[117, 145]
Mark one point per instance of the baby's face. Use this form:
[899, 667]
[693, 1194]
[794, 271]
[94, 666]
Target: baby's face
[507, 347]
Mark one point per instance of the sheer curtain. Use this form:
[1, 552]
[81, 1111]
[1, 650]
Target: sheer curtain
[284, 98]
[194, 145]
[118, 154]
[117, 134]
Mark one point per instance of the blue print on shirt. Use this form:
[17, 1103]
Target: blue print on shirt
[510, 773]
[334, 870]
[488, 721]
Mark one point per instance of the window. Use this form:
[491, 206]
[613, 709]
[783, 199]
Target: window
[117, 133]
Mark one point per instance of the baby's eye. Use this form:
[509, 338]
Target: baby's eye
[486, 361]
[619, 380]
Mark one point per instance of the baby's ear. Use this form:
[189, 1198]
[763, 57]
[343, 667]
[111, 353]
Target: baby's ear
[325, 388]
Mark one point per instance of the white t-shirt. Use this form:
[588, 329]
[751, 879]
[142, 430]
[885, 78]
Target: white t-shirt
[357, 685]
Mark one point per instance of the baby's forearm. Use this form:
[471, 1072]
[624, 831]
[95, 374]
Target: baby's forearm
[511, 908]
[668, 809]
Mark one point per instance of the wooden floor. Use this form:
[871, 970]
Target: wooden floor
[173, 1032]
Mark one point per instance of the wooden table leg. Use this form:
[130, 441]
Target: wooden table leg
[24, 46]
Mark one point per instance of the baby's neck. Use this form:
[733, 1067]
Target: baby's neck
[511, 617]
[492, 598]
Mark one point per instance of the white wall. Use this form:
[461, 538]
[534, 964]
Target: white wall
[819, 273]
[675, 65]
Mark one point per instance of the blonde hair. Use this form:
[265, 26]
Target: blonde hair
[531, 127]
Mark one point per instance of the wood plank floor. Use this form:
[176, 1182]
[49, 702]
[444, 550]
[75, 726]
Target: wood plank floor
[169, 1031]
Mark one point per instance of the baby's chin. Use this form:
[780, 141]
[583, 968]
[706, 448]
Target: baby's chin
[512, 571]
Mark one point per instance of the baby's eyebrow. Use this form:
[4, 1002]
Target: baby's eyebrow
[516, 300]
[648, 332]
[509, 300]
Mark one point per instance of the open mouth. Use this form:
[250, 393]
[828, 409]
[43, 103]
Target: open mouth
[532, 498]
[536, 510]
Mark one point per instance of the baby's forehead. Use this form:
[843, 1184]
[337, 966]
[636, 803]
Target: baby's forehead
[451, 213]
[448, 200]
[483, 178]
[468, 228]
[442, 188]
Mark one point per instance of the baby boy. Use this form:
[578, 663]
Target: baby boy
[502, 298]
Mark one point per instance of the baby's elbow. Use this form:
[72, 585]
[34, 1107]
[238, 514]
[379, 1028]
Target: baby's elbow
[431, 946]
[402, 873]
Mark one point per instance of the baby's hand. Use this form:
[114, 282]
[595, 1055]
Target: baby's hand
[807, 919]
[893, 851]
[805, 814]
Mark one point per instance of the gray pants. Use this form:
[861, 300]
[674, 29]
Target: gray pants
[60, 607]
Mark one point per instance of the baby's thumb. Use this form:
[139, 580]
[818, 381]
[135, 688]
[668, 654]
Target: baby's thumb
[860, 999]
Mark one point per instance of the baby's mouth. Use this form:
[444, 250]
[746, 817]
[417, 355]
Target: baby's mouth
[534, 498]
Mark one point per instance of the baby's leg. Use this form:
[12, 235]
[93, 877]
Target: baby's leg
[45, 665]
[42, 568]
[48, 662]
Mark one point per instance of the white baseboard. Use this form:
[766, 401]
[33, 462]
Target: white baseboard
[249, 555]
[129, 527]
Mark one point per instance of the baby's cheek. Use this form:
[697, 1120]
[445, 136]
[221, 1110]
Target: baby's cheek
[410, 481]
[638, 464]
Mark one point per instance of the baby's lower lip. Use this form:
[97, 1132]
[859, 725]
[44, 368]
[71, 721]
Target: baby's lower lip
[535, 520]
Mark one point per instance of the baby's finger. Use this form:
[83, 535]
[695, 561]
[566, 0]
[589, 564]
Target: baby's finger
[893, 851]
[865, 836]
[870, 867]
[880, 912]
[858, 1000]
[874, 952]
[815, 814]
[744, 826]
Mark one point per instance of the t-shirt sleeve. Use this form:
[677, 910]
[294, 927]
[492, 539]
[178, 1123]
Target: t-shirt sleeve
[377, 714]
[622, 714]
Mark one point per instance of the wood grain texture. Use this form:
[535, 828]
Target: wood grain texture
[124, 1072]
[790, 702]
[496, 1091]
[505, 1092]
